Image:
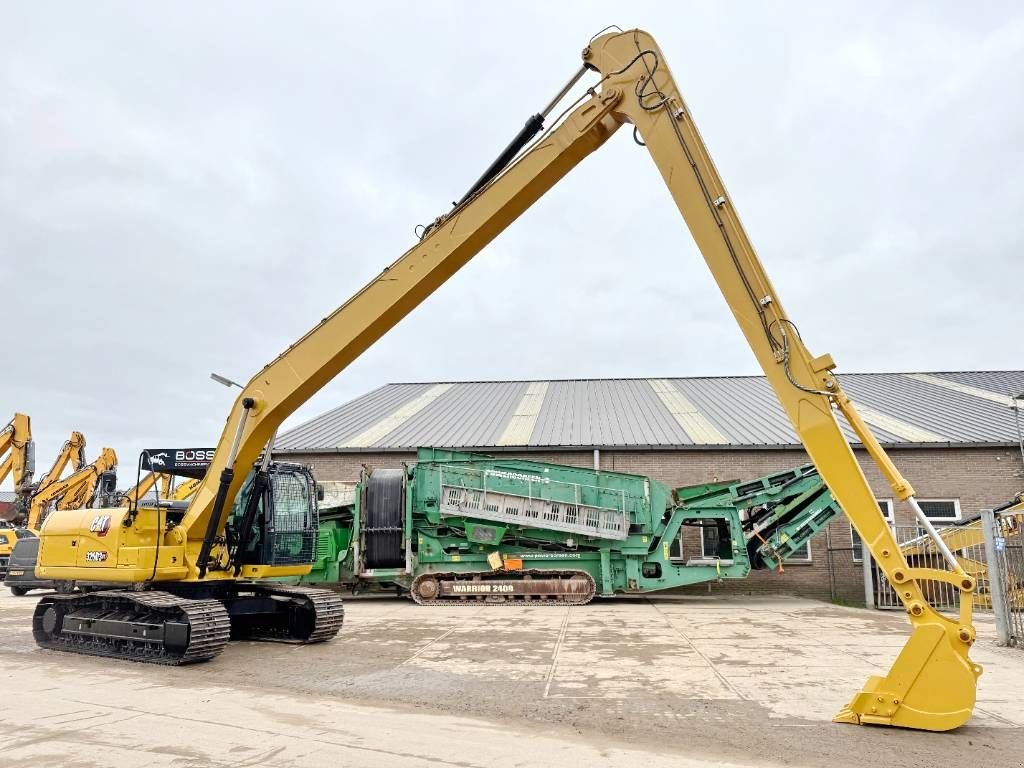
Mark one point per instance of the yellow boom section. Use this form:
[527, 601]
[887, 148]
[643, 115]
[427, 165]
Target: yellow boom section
[165, 483]
[73, 492]
[15, 445]
[933, 682]
[72, 453]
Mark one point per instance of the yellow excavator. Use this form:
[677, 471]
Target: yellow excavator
[72, 454]
[21, 577]
[53, 491]
[164, 482]
[16, 460]
[17, 456]
[160, 480]
[73, 492]
[970, 535]
[184, 577]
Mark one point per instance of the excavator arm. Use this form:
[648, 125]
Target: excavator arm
[165, 483]
[184, 490]
[73, 492]
[932, 683]
[133, 495]
[72, 453]
[16, 452]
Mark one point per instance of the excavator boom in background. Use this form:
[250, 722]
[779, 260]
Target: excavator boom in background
[160, 480]
[17, 456]
[72, 454]
[23, 552]
[166, 489]
[17, 459]
[76, 491]
[208, 561]
[966, 540]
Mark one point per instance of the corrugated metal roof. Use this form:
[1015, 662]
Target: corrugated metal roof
[7, 497]
[965, 408]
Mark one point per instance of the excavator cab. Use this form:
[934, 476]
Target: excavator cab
[106, 490]
[274, 520]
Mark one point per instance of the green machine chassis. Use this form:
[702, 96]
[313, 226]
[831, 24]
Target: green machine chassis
[460, 527]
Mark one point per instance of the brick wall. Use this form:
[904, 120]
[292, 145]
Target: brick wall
[978, 477]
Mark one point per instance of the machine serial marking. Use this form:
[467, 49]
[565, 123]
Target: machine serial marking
[506, 475]
[478, 589]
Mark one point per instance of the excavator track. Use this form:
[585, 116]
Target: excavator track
[151, 627]
[551, 588]
[312, 616]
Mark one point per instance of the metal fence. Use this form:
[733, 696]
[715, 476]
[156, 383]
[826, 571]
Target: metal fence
[989, 548]
[920, 552]
[844, 569]
[1005, 551]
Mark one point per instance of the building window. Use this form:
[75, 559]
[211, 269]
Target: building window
[885, 507]
[802, 555]
[940, 510]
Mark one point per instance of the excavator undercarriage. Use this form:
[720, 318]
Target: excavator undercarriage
[162, 627]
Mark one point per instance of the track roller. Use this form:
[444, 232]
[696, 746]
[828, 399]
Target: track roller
[154, 627]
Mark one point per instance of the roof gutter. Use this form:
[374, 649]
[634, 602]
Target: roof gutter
[590, 448]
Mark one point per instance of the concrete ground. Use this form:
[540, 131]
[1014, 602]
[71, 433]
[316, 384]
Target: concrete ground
[670, 681]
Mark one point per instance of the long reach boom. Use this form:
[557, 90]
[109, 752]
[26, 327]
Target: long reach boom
[932, 683]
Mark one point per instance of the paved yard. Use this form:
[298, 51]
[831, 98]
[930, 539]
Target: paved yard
[680, 681]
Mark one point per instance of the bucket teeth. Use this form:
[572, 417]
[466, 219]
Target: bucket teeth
[931, 686]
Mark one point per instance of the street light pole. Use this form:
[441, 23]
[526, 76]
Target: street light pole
[225, 381]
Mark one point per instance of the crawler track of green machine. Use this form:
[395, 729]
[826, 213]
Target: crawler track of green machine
[462, 528]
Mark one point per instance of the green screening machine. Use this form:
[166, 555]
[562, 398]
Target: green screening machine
[457, 527]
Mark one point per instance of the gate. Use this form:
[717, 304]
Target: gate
[1005, 551]
[844, 570]
[966, 541]
[989, 548]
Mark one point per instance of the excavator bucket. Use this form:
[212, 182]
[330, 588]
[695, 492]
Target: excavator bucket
[931, 686]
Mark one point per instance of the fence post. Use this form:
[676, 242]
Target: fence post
[869, 582]
[995, 578]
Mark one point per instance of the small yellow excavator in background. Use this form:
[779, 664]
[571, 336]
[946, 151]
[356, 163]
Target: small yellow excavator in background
[72, 454]
[160, 480]
[960, 538]
[183, 581]
[164, 482]
[75, 491]
[922, 551]
[17, 457]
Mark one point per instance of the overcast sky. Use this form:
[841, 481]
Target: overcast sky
[188, 187]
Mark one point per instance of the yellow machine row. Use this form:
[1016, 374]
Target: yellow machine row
[199, 569]
[73, 492]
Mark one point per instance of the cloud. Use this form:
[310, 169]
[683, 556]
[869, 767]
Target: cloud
[187, 188]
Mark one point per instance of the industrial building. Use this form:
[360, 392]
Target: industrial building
[7, 499]
[956, 435]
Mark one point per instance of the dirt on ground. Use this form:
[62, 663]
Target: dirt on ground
[647, 682]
